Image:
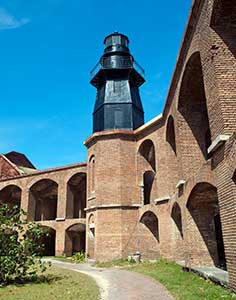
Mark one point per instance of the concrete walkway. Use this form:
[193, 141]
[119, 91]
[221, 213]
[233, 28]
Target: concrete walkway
[118, 284]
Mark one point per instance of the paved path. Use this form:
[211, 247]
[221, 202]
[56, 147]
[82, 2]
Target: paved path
[118, 284]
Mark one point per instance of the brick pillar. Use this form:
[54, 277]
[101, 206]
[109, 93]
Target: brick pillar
[62, 200]
[24, 199]
[60, 240]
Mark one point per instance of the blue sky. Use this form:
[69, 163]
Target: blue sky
[48, 48]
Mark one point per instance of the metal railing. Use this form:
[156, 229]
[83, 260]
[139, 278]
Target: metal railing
[121, 63]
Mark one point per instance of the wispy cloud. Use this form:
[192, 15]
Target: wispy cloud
[9, 21]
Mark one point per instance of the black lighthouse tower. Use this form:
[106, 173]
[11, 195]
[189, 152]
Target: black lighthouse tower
[117, 78]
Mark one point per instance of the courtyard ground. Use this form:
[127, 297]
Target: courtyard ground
[121, 284]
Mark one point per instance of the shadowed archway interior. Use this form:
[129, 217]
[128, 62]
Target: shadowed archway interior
[204, 227]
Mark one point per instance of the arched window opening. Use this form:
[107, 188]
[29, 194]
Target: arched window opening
[193, 107]
[91, 236]
[43, 200]
[76, 196]
[75, 239]
[92, 173]
[177, 218]
[148, 179]
[204, 227]
[91, 227]
[147, 151]
[150, 220]
[170, 133]
[11, 195]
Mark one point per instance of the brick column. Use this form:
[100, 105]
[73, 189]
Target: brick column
[60, 240]
[24, 199]
[62, 200]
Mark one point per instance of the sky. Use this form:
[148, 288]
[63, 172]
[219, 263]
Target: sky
[48, 48]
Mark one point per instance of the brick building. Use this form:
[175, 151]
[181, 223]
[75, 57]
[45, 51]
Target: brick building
[166, 188]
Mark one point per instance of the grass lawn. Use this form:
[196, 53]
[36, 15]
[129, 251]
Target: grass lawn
[182, 285]
[60, 285]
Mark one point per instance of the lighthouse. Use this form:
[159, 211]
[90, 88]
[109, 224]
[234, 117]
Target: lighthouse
[117, 78]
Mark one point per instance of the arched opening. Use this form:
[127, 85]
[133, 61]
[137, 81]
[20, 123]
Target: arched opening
[148, 236]
[75, 239]
[150, 220]
[204, 227]
[148, 179]
[11, 195]
[43, 200]
[170, 133]
[177, 218]
[92, 174]
[193, 121]
[48, 241]
[76, 196]
[91, 236]
[147, 151]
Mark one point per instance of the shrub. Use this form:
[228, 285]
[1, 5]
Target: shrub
[20, 246]
[78, 257]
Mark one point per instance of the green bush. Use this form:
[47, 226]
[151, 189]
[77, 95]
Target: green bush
[78, 257]
[20, 246]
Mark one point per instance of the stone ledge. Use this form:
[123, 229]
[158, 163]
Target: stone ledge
[162, 200]
[180, 183]
[113, 206]
[218, 141]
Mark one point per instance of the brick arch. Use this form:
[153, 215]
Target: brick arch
[193, 115]
[204, 237]
[204, 175]
[147, 151]
[150, 220]
[11, 194]
[170, 133]
[76, 195]
[49, 240]
[148, 235]
[37, 179]
[71, 174]
[43, 197]
[146, 165]
[151, 207]
[75, 238]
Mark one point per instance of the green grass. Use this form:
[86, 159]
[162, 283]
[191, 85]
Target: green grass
[114, 263]
[60, 285]
[182, 285]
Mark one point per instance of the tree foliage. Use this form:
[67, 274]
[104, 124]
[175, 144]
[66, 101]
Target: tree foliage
[20, 246]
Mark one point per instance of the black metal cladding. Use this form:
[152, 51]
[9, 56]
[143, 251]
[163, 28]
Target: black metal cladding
[117, 78]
